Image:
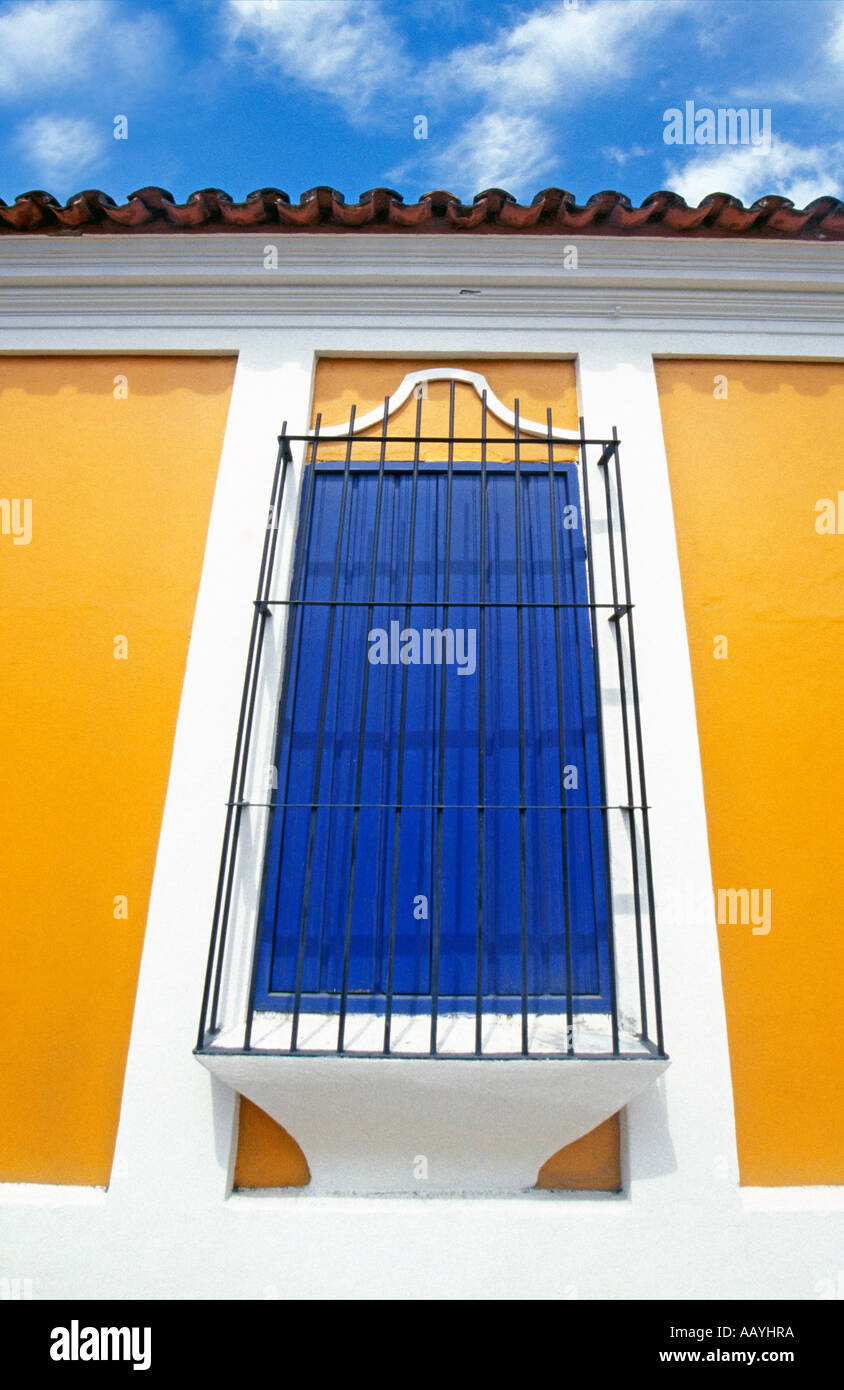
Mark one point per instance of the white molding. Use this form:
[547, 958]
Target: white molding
[795, 1199]
[43, 1194]
[419, 281]
[239, 309]
[380, 260]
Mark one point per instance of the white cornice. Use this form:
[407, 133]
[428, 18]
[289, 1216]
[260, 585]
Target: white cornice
[443, 281]
[375, 259]
[286, 306]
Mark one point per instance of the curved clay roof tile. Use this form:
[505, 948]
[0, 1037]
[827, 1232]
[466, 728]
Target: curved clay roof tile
[259, 207]
[84, 209]
[553, 211]
[30, 212]
[200, 208]
[145, 205]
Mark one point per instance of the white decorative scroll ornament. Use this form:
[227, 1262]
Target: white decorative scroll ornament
[474, 379]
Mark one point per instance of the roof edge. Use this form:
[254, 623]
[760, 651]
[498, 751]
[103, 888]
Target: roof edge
[553, 211]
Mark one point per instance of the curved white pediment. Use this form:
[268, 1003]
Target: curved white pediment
[476, 380]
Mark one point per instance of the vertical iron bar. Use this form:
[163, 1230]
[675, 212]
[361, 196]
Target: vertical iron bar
[232, 823]
[581, 690]
[261, 612]
[479, 934]
[522, 798]
[388, 1005]
[323, 706]
[350, 893]
[309, 487]
[558, 646]
[615, 619]
[634, 680]
[601, 749]
[437, 918]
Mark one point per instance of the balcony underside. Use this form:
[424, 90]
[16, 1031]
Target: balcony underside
[450, 1124]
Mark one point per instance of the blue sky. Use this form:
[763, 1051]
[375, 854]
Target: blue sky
[243, 94]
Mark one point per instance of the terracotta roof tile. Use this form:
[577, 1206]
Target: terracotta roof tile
[323, 209]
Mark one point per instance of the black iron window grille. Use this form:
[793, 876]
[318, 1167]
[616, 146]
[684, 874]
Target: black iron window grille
[510, 798]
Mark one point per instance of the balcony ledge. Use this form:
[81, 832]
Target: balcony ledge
[434, 1125]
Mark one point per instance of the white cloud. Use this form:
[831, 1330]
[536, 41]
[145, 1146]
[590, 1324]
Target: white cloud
[497, 149]
[50, 44]
[621, 157]
[765, 93]
[347, 50]
[40, 47]
[797, 172]
[835, 44]
[527, 74]
[59, 147]
[558, 50]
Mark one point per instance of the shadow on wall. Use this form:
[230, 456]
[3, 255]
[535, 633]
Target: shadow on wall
[658, 1158]
[97, 375]
[757, 378]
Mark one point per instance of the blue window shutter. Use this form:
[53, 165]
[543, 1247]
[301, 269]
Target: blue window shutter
[358, 740]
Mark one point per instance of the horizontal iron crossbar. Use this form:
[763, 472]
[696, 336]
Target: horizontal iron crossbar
[619, 609]
[314, 437]
[648, 1051]
[444, 805]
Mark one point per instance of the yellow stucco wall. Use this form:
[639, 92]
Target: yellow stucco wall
[121, 491]
[747, 470]
[267, 1156]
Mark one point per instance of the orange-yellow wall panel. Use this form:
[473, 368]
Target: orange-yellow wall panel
[747, 470]
[267, 1156]
[121, 491]
[590, 1164]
